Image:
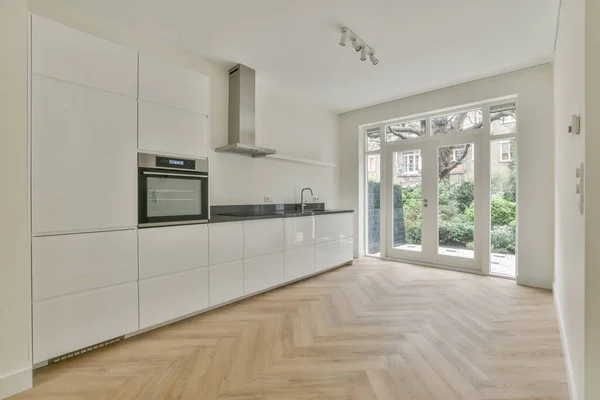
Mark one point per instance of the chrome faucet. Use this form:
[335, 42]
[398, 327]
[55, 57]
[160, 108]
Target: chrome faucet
[302, 198]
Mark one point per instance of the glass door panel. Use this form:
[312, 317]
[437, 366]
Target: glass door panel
[456, 200]
[407, 200]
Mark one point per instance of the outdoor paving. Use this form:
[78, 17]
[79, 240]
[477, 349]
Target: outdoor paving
[500, 264]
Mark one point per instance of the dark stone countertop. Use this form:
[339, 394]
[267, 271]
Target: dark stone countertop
[221, 214]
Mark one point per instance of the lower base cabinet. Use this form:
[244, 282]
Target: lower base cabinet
[346, 250]
[68, 323]
[226, 282]
[299, 263]
[327, 255]
[263, 272]
[172, 296]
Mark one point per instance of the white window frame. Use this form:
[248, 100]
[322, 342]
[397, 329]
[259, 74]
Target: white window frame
[510, 154]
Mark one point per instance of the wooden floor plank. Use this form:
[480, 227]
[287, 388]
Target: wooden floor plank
[373, 330]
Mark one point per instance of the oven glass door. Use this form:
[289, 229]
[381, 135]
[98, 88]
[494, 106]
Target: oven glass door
[172, 197]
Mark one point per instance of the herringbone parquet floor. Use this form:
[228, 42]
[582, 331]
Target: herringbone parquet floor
[374, 330]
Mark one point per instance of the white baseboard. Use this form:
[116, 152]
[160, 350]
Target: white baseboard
[15, 383]
[534, 282]
[566, 353]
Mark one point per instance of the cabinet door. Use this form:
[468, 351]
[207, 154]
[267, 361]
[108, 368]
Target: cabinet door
[165, 83]
[263, 237]
[327, 255]
[66, 264]
[169, 249]
[226, 282]
[58, 51]
[84, 158]
[169, 297]
[299, 232]
[327, 228]
[346, 250]
[67, 323]
[165, 129]
[299, 263]
[263, 272]
[346, 221]
[226, 242]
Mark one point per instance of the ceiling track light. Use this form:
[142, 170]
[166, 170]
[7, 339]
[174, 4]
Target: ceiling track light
[359, 45]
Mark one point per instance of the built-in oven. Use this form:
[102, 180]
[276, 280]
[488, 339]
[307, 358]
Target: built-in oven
[172, 190]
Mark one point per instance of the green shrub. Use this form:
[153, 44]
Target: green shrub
[465, 194]
[504, 212]
[503, 239]
[456, 231]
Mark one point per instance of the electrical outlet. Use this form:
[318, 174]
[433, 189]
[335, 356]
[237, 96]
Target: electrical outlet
[268, 199]
[315, 199]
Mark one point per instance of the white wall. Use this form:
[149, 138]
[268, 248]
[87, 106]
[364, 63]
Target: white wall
[536, 157]
[569, 95]
[15, 270]
[291, 127]
[592, 219]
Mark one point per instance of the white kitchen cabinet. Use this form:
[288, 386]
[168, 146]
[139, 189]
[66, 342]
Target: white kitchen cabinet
[263, 272]
[169, 249]
[226, 282]
[67, 323]
[263, 237]
[61, 52]
[346, 224]
[172, 296]
[327, 255]
[346, 250]
[226, 242]
[299, 263]
[67, 264]
[84, 161]
[327, 228]
[168, 84]
[299, 232]
[164, 129]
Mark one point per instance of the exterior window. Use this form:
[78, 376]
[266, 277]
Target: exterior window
[457, 122]
[457, 154]
[405, 130]
[410, 162]
[372, 164]
[503, 119]
[506, 152]
[373, 136]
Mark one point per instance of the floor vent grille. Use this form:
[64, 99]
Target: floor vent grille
[85, 350]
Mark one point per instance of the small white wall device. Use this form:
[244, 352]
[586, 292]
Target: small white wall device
[575, 127]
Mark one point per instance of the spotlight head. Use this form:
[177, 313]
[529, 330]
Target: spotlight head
[373, 59]
[357, 46]
[363, 54]
[344, 37]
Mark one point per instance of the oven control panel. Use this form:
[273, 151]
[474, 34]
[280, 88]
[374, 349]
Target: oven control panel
[168, 162]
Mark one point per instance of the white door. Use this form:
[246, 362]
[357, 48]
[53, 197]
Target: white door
[433, 200]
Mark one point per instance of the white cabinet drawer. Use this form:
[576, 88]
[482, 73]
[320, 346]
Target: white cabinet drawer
[299, 232]
[226, 242]
[346, 224]
[299, 263]
[346, 250]
[263, 237]
[263, 272]
[65, 53]
[165, 129]
[68, 323]
[226, 282]
[169, 249]
[327, 228]
[327, 255]
[165, 83]
[84, 158]
[68, 264]
[168, 297]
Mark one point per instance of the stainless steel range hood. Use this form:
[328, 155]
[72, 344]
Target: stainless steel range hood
[242, 109]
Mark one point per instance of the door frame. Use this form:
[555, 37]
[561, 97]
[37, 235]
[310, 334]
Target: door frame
[429, 146]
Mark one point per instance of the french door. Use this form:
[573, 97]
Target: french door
[434, 200]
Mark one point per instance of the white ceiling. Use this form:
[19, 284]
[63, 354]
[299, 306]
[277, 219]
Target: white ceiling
[423, 45]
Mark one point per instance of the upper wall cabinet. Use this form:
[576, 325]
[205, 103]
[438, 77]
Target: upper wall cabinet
[164, 129]
[84, 174]
[61, 52]
[170, 85]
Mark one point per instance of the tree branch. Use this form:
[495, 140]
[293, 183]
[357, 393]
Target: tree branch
[444, 171]
[402, 131]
